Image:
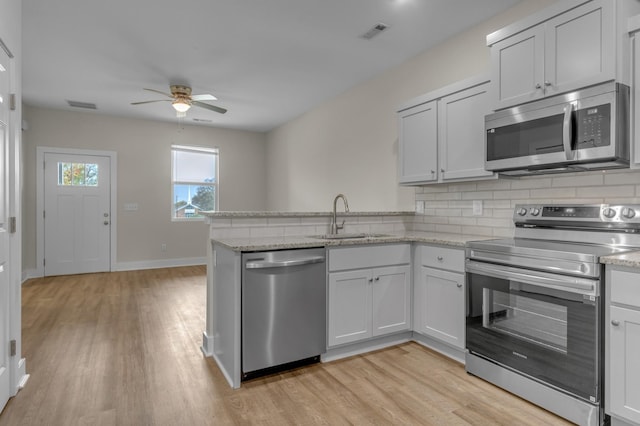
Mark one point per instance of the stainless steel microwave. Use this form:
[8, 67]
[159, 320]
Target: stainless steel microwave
[583, 130]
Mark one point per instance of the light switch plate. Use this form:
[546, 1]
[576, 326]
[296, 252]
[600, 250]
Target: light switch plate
[477, 207]
[420, 207]
[131, 207]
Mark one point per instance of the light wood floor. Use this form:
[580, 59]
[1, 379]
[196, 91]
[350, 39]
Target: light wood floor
[123, 349]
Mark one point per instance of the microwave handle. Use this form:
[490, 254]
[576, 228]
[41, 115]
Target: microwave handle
[567, 132]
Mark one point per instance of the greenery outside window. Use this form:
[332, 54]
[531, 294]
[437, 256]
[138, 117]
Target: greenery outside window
[194, 176]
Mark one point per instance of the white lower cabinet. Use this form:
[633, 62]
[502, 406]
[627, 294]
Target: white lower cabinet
[439, 299]
[622, 372]
[372, 300]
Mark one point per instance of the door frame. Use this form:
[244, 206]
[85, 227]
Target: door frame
[40, 153]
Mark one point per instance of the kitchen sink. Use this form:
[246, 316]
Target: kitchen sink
[346, 236]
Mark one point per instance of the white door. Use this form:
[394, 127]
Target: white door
[77, 214]
[5, 389]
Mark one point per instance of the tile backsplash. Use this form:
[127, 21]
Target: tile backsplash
[449, 207]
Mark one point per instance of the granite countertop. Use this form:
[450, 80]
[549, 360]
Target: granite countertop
[280, 243]
[630, 259]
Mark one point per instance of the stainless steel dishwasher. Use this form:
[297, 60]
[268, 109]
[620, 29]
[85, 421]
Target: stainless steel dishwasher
[284, 300]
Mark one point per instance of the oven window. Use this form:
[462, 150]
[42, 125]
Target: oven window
[537, 321]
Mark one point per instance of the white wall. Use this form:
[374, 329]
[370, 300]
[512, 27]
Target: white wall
[349, 144]
[144, 177]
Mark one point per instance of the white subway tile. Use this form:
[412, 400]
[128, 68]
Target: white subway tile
[531, 183]
[448, 212]
[274, 231]
[468, 221]
[510, 195]
[607, 191]
[248, 221]
[586, 179]
[548, 193]
[632, 178]
[448, 196]
[450, 229]
[494, 185]
[477, 230]
[478, 195]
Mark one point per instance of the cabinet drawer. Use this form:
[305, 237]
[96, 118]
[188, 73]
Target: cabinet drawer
[368, 256]
[443, 258]
[625, 288]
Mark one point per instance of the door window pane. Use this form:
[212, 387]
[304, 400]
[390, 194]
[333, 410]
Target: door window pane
[77, 174]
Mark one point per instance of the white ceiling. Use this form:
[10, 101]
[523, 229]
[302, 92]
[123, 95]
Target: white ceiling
[267, 61]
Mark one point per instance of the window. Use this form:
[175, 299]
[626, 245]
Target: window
[194, 175]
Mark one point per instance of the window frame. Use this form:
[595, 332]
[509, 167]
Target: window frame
[215, 185]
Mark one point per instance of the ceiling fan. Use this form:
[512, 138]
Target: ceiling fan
[182, 100]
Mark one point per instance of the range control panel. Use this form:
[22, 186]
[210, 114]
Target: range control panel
[594, 213]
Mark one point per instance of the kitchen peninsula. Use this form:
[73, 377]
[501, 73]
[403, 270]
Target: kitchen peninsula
[380, 234]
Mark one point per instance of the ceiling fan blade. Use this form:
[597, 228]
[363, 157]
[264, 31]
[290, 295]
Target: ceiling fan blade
[207, 106]
[148, 102]
[157, 91]
[206, 97]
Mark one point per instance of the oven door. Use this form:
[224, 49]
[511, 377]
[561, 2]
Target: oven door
[542, 325]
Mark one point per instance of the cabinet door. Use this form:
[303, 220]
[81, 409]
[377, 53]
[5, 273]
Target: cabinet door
[349, 306]
[461, 133]
[517, 66]
[624, 364]
[439, 306]
[391, 295]
[418, 143]
[580, 48]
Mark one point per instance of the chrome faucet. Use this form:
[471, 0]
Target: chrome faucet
[334, 223]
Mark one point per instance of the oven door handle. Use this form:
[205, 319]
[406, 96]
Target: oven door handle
[540, 279]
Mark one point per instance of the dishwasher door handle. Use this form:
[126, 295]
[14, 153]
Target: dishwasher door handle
[261, 264]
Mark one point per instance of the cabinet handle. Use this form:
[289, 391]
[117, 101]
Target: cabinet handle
[433, 172]
[377, 278]
[547, 83]
[459, 285]
[370, 280]
[440, 258]
[538, 86]
[615, 323]
[441, 170]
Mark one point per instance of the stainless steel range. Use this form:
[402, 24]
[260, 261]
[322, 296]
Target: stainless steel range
[534, 304]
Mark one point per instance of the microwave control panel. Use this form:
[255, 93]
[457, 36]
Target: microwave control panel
[593, 126]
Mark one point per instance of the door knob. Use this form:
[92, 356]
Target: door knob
[106, 222]
[459, 285]
[615, 323]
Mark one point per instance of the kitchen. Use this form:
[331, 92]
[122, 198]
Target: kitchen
[328, 160]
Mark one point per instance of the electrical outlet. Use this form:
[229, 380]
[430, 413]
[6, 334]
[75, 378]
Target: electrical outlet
[477, 207]
[163, 247]
[420, 207]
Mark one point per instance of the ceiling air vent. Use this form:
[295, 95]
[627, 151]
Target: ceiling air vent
[85, 105]
[375, 30]
[202, 120]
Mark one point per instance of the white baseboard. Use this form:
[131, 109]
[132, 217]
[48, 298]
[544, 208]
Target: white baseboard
[164, 263]
[134, 266]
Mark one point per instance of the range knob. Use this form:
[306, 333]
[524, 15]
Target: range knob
[535, 211]
[609, 212]
[522, 211]
[628, 213]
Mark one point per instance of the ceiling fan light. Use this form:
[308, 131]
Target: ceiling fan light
[181, 105]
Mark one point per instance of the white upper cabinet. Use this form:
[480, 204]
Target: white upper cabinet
[461, 134]
[441, 134]
[418, 134]
[567, 46]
